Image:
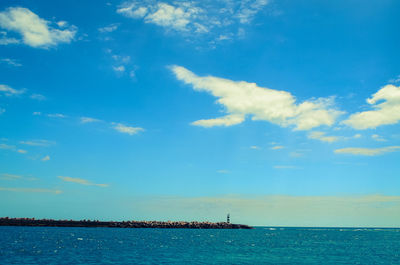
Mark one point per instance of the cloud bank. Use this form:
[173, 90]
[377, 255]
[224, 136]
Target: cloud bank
[279, 210]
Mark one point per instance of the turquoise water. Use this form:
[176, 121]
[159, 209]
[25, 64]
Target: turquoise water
[54, 245]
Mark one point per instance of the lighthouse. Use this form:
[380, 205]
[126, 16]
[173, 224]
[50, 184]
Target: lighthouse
[228, 218]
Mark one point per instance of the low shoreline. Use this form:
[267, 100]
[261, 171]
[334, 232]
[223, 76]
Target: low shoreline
[124, 224]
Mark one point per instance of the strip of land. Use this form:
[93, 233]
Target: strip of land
[124, 224]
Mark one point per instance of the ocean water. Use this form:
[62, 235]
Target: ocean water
[55, 245]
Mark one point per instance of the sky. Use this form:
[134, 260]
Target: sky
[281, 113]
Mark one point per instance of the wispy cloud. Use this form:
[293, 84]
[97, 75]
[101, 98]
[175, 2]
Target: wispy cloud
[255, 147]
[218, 19]
[277, 147]
[9, 91]
[37, 142]
[12, 148]
[35, 31]
[45, 158]
[367, 151]
[35, 190]
[6, 176]
[123, 64]
[384, 113]
[89, 120]
[109, 28]
[82, 181]
[6, 146]
[241, 99]
[119, 69]
[2, 111]
[395, 80]
[316, 135]
[5, 40]
[127, 129]
[10, 61]
[56, 115]
[38, 97]
[378, 138]
[223, 171]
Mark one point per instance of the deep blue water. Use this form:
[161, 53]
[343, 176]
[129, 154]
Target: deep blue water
[54, 245]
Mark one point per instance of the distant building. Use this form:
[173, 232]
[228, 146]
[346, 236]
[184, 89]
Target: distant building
[228, 218]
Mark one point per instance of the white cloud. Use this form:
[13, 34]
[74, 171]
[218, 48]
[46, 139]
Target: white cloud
[241, 99]
[223, 171]
[378, 138]
[277, 147]
[127, 129]
[4, 40]
[88, 120]
[2, 111]
[46, 158]
[367, 151]
[255, 147]
[385, 113]
[12, 148]
[35, 31]
[82, 181]
[119, 69]
[6, 176]
[30, 190]
[36, 113]
[9, 91]
[395, 80]
[62, 24]
[132, 74]
[248, 9]
[296, 154]
[316, 135]
[122, 65]
[162, 14]
[356, 136]
[219, 19]
[11, 62]
[121, 59]
[109, 28]
[37, 142]
[56, 115]
[227, 120]
[38, 97]
[7, 147]
[169, 16]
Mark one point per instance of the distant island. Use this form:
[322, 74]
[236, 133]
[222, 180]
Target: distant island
[5, 221]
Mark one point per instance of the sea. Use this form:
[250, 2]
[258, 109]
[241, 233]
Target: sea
[262, 245]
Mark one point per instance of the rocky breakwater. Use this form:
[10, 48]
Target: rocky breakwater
[124, 224]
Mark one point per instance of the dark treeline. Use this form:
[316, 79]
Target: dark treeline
[6, 221]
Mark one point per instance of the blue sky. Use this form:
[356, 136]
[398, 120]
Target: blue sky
[279, 112]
